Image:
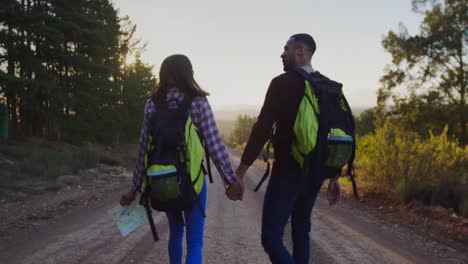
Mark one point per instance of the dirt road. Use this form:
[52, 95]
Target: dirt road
[341, 234]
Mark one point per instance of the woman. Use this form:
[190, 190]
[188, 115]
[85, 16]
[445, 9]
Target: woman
[176, 81]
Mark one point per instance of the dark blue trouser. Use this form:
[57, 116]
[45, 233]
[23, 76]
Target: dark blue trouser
[194, 224]
[287, 196]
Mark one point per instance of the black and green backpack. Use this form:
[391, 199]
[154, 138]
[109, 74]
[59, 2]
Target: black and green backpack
[324, 130]
[174, 162]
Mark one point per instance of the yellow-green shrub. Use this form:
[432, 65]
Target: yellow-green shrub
[402, 163]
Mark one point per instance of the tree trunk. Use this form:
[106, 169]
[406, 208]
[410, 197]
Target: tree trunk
[10, 89]
[462, 111]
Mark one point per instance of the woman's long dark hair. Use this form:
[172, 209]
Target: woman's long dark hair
[177, 71]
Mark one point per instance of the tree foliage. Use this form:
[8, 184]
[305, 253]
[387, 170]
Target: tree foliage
[365, 122]
[63, 73]
[242, 128]
[430, 68]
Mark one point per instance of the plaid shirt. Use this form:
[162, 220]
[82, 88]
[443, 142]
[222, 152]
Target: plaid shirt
[202, 116]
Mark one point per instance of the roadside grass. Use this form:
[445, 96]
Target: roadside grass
[33, 166]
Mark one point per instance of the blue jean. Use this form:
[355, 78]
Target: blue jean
[194, 224]
[286, 196]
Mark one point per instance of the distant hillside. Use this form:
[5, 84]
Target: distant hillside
[231, 112]
[225, 127]
[226, 116]
[357, 110]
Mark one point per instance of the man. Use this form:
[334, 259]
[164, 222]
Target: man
[288, 193]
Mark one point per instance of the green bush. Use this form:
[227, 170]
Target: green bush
[404, 164]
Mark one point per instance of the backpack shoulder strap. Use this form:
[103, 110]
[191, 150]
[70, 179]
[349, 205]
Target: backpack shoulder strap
[186, 102]
[321, 83]
[302, 72]
[265, 159]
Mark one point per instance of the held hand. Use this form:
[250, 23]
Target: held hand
[127, 199]
[334, 192]
[235, 191]
[240, 171]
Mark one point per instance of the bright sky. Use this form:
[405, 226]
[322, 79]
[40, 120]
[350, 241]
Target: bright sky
[235, 46]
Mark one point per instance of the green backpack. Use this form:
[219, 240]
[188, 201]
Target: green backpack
[174, 161]
[324, 130]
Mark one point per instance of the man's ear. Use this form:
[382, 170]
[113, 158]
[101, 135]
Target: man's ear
[300, 51]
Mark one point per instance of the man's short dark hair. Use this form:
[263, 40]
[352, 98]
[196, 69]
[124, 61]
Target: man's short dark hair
[305, 39]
